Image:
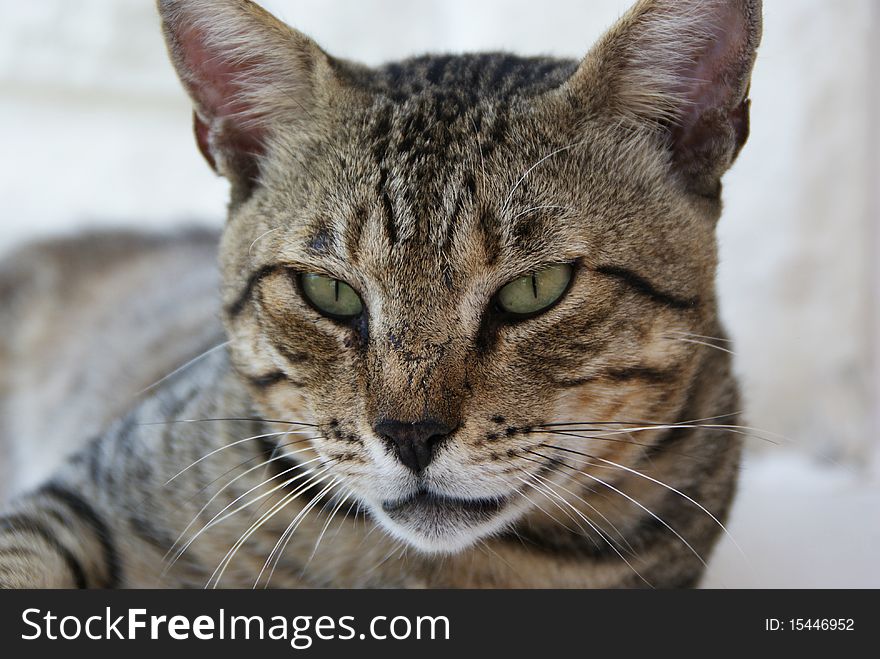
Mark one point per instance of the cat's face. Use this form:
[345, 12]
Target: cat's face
[436, 271]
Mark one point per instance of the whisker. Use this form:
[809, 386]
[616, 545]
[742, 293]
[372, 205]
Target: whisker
[540, 489]
[736, 430]
[291, 530]
[532, 168]
[601, 534]
[749, 432]
[579, 433]
[315, 480]
[700, 336]
[266, 481]
[399, 547]
[704, 343]
[640, 422]
[327, 525]
[354, 502]
[485, 547]
[600, 438]
[259, 455]
[183, 367]
[260, 237]
[594, 509]
[369, 532]
[538, 208]
[639, 504]
[236, 443]
[656, 481]
[686, 497]
[281, 545]
[479, 147]
[253, 419]
[543, 510]
[219, 517]
[217, 575]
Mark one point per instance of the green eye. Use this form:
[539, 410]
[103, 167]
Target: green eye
[331, 297]
[535, 292]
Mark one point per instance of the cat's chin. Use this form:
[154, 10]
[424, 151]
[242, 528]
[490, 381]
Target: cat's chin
[437, 524]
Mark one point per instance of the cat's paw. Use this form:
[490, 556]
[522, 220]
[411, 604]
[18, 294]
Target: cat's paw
[25, 567]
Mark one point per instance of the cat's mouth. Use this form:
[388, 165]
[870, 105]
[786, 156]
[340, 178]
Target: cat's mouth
[438, 523]
[426, 502]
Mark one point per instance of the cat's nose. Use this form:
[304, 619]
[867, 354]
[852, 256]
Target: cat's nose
[414, 443]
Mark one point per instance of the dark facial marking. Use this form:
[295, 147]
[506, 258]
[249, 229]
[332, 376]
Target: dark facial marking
[322, 242]
[642, 373]
[387, 208]
[292, 356]
[241, 301]
[354, 231]
[268, 380]
[644, 287]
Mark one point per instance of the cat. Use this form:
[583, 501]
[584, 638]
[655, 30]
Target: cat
[468, 313]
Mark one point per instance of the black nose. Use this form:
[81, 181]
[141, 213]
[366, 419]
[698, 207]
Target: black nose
[414, 443]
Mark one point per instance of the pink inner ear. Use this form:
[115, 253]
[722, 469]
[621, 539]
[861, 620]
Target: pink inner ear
[227, 123]
[711, 81]
[215, 77]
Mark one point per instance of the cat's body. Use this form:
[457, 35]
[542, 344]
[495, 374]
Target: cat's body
[76, 341]
[453, 440]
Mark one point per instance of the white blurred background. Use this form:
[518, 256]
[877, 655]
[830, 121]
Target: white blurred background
[95, 131]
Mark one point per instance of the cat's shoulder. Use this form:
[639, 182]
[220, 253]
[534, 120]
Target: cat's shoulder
[87, 322]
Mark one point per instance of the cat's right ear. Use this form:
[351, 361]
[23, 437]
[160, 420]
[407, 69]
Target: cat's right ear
[244, 70]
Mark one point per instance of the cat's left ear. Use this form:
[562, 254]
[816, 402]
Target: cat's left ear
[681, 67]
[245, 71]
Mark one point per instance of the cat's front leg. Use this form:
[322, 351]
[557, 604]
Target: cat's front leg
[52, 538]
[30, 560]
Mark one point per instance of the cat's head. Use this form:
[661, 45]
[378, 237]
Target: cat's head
[437, 260]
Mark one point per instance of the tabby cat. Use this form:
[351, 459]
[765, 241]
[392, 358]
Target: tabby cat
[468, 313]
